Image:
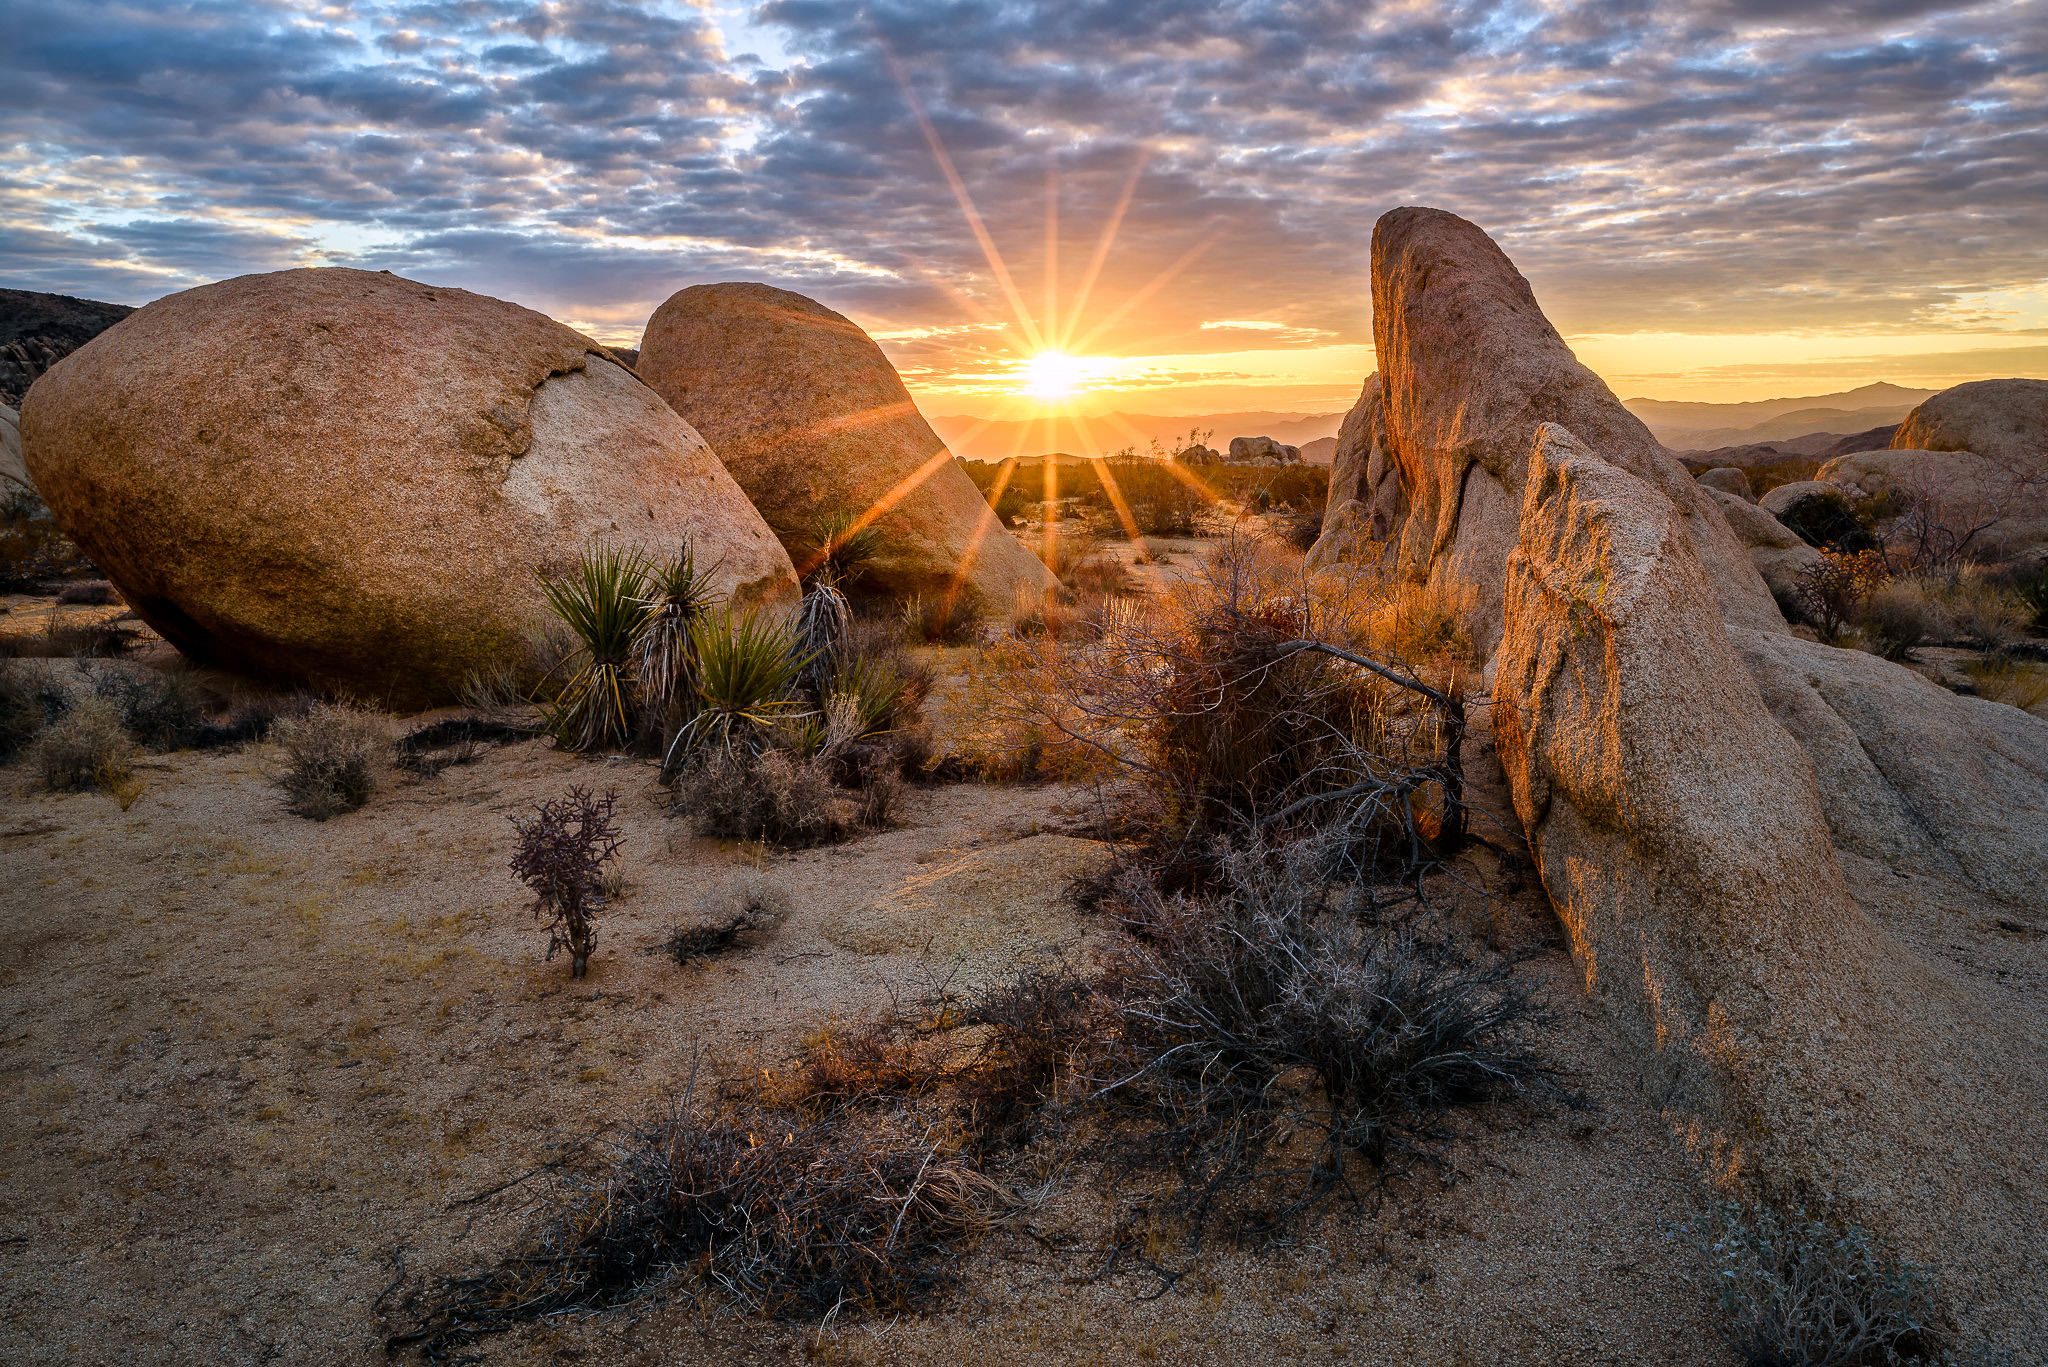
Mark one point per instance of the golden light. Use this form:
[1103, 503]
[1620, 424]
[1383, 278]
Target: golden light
[1054, 375]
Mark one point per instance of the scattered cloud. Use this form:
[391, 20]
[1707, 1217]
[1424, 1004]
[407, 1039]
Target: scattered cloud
[1729, 168]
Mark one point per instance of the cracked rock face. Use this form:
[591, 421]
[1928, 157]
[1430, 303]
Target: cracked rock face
[347, 479]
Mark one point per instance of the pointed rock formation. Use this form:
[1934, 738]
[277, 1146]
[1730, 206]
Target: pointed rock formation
[347, 479]
[814, 422]
[1767, 852]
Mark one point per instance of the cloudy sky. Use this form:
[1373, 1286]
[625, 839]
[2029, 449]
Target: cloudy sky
[1722, 200]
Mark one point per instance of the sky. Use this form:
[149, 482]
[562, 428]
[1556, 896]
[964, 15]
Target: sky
[1723, 200]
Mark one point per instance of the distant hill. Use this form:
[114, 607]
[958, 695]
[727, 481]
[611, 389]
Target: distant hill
[973, 439]
[1683, 425]
[39, 330]
[1321, 451]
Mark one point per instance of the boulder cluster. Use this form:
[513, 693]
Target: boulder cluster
[1757, 844]
[348, 479]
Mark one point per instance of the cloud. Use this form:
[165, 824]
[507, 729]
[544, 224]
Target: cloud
[1736, 167]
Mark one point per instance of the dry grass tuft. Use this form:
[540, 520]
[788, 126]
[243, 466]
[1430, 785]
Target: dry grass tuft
[2004, 679]
[333, 756]
[87, 748]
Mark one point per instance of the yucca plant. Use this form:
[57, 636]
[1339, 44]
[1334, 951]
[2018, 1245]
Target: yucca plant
[604, 604]
[747, 670]
[823, 620]
[872, 690]
[837, 548]
[678, 592]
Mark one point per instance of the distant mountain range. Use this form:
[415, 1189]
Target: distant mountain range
[1687, 426]
[38, 330]
[1682, 425]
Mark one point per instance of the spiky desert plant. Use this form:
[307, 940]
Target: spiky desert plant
[837, 548]
[604, 604]
[748, 665]
[678, 592]
[871, 689]
[823, 621]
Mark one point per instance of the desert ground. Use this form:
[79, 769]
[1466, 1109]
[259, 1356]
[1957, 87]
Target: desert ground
[268, 1078]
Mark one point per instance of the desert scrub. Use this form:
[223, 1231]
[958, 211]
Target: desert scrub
[1977, 610]
[1835, 588]
[1897, 617]
[756, 905]
[2014, 682]
[164, 709]
[771, 795]
[22, 708]
[946, 619]
[561, 855]
[1269, 1008]
[333, 756]
[87, 748]
[733, 1200]
[1803, 1291]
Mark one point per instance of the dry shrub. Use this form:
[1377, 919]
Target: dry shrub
[164, 709]
[332, 758]
[1241, 699]
[65, 638]
[1009, 727]
[948, 619]
[780, 1214]
[839, 1066]
[1835, 588]
[87, 748]
[774, 796]
[757, 905]
[2004, 679]
[1037, 1030]
[1269, 1009]
[1978, 610]
[1896, 617]
[1806, 1292]
[561, 856]
[24, 709]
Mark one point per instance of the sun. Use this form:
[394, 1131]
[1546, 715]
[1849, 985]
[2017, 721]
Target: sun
[1054, 375]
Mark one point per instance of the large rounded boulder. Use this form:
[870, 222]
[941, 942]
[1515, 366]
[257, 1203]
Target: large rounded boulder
[348, 479]
[816, 425]
[2006, 420]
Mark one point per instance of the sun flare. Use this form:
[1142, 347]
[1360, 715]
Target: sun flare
[1054, 375]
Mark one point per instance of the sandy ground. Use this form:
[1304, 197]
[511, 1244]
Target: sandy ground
[251, 1060]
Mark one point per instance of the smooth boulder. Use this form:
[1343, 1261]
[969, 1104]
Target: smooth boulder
[815, 424]
[1728, 480]
[348, 479]
[2004, 420]
[1996, 505]
[1262, 450]
[1778, 552]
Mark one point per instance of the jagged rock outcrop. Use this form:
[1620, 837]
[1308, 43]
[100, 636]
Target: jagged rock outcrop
[348, 479]
[14, 476]
[1765, 869]
[813, 421]
[38, 330]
